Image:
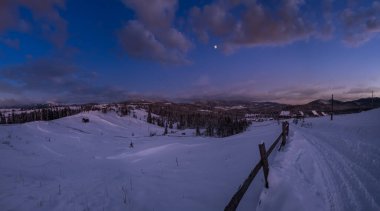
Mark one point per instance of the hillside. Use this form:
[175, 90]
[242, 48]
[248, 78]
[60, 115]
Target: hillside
[66, 164]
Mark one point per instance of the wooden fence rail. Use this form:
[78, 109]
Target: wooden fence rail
[235, 200]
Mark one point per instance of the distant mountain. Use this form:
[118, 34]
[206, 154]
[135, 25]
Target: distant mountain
[247, 106]
[367, 102]
[340, 106]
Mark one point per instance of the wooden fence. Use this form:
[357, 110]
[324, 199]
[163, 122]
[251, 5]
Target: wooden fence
[235, 200]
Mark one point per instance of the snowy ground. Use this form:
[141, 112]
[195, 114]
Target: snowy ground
[333, 165]
[68, 165]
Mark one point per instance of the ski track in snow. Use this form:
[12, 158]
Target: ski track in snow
[52, 151]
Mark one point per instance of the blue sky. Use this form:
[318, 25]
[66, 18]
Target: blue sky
[290, 51]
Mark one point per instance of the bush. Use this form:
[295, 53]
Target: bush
[85, 120]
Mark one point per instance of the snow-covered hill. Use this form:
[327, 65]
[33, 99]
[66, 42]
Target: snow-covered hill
[69, 165]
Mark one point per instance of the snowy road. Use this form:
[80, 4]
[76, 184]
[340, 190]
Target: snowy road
[349, 185]
[330, 166]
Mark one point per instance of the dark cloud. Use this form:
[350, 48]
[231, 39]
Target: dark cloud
[240, 23]
[46, 18]
[12, 102]
[54, 80]
[139, 42]
[9, 88]
[152, 35]
[361, 23]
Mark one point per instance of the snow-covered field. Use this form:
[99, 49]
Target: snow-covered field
[69, 165]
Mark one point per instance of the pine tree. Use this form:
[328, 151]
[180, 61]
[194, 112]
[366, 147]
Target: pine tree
[149, 118]
[197, 131]
[166, 129]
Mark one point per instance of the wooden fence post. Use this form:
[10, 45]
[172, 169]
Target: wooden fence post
[287, 128]
[264, 160]
[283, 135]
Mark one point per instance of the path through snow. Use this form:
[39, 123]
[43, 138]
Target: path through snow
[330, 166]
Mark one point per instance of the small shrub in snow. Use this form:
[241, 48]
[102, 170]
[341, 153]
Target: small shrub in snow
[6, 143]
[124, 191]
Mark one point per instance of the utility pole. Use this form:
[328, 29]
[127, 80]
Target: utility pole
[332, 107]
[372, 101]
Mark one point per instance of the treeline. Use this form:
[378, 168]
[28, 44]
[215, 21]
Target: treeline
[182, 116]
[56, 112]
[45, 114]
[204, 120]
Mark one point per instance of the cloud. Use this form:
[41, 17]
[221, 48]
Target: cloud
[12, 43]
[12, 102]
[252, 90]
[152, 35]
[361, 24]
[45, 14]
[55, 80]
[327, 29]
[139, 42]
[9, 88]
[363, 90]
[202, 81]
[240, 23]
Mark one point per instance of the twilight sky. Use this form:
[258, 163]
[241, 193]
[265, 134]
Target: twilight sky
[291, 51]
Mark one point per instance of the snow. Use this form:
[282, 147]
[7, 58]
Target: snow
[236, 107]
[334, 165]
[65, 164]
[285, 113]
[315, 113]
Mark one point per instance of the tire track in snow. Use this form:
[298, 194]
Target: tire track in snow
[331, 198]
[342, 177]
[353, 170]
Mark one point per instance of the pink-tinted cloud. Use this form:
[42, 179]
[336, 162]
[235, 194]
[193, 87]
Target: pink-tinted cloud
[361, 24]
[152, 35]
[253, 24]
[46, 18]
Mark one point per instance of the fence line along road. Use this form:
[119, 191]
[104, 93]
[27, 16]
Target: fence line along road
[235, 200]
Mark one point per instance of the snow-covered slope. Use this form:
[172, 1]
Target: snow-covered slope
[333, 165]
[69, 165]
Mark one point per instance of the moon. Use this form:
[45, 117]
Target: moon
[215, 46]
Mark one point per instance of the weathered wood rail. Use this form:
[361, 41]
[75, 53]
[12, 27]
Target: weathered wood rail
[263, 163]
